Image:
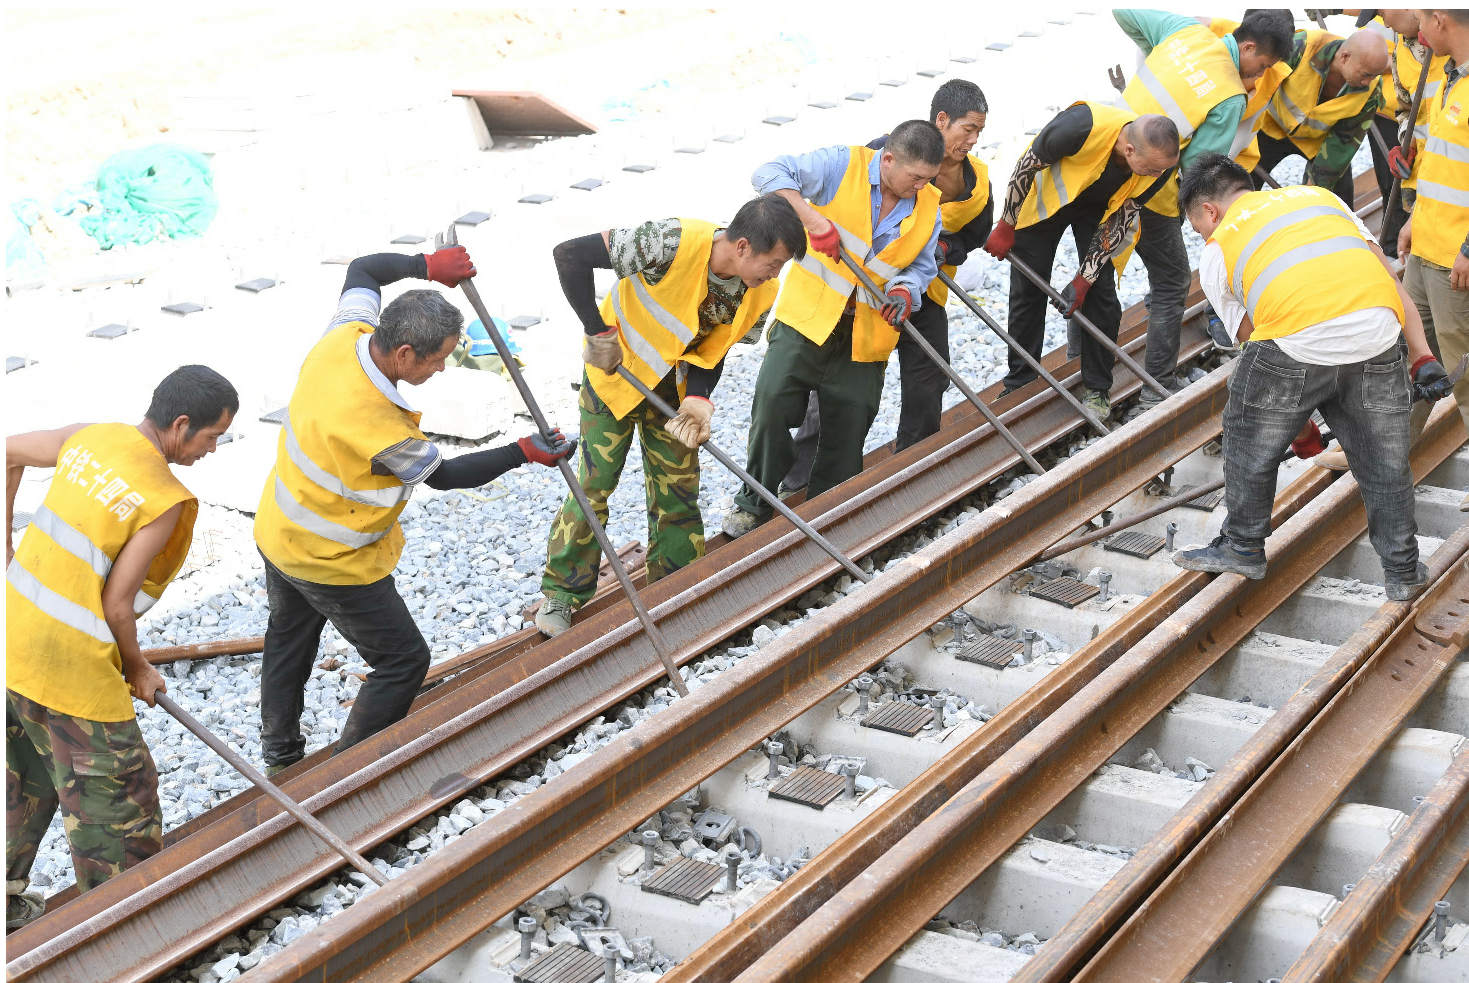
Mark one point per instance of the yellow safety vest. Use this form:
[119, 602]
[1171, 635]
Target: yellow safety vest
[656, 324]
[110, 482]
[1441, 216]
[1245, 149]
[1058, 184]
[955, 215]
[1295, 258]
[1295, 113]
[1183, 78]
[324, 517]
[817, 289]
[1409, 68]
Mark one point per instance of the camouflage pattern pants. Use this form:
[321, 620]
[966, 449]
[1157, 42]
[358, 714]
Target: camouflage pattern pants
[101, 775]
[671, 476]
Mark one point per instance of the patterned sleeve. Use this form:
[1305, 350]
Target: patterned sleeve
[645, 248]
[357, 304]
[411, 460]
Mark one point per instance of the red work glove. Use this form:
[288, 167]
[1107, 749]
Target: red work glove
[1401, 162]
[1001, 240]
[538, 450]
[898, 306]
[828, 243]
[1308, 442]
[449, 266]
[1074, 295]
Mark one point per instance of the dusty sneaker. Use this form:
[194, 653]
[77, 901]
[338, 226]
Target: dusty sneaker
[738, 522]
[272, 770]
[1406, 590]
[1464, 505]
[1222, 556]
[1099, 403]
[22, 909]
[554, 616]
[1335, 460]
[1219, 335]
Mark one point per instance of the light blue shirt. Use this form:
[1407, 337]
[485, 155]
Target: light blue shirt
[818, 175]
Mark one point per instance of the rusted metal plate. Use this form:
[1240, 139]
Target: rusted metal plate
[1138, 544]
[809, 787]
[1205, 503]
[897, 717]
[563, 964]
[1065, 591]
[685, 879]
[991, 650]
[525, 114]
[243, 863]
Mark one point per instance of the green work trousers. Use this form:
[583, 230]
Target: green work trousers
[671, 476]
[847, 396]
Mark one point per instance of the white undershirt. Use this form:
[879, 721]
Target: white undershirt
[1352, 337]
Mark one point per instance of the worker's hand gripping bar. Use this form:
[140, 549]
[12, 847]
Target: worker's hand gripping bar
[1019, 349]
[771, 499]
[650, 627]
[948, 370]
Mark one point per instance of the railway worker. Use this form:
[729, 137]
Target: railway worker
[1197, 80]
[112, 532]
[959, 110]
[829, 336]
[1436, 237]
[1326, 105]
[1298, 279]
[1091, 169]
[350, 454]
[687, 291]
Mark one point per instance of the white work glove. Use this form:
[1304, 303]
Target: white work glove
[603, 351]
[690, 426]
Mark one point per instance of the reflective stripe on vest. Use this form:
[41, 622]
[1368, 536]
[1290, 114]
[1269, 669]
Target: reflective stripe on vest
[72, 541]
[383, 498]
[1058, 186]
[1310, 250]
[1434, 191]
[1441, 214]
[1236, 285]
[1185, 76]
[1165, 99]
[640, 345]
[1440, 146]
[53, 605]
[313, 523]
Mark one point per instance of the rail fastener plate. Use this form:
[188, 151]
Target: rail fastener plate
[897, 717]
[990, 650]
[564, 963]
[1138, 544]
[685, 879]
[810, 787]
[1065, 591]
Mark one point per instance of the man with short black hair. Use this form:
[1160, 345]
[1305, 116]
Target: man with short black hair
[349, 457]
[113, 531]
[1198, 80]
[1298, 280]
[1091, 169]
[688, 291]
[829, 335]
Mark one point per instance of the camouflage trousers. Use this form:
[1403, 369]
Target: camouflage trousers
[671, 477]
[101, 775]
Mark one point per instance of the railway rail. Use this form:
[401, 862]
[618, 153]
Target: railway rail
[234, 864]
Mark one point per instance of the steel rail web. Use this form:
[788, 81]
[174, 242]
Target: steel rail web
[741, 942]
[257, 856]
[870, 918]
[436, 906]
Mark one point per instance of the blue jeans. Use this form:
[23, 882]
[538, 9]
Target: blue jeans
[1366, 405]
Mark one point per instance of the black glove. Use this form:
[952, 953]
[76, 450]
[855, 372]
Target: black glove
[1430, 381]
[951, 253]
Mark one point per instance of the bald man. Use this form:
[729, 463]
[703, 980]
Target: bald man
[1323, 109]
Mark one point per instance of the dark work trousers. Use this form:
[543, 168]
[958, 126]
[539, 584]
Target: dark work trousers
[847, 392]
[1036, 245]
[1367, 405]
[923, 384]
[1380, 170]
[1160, 247]
[1273, 151]
[374, 619]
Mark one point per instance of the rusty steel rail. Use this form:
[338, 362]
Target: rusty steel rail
[741, 942]
[870, 918]
[240, 865]
[1372, 686]
[1387, 910]
[391, 935]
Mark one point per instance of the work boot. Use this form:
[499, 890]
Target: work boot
[737, 522]
[1222, 556]
[554, 616]
[1464, 505]
[1406, 590]
[1219, 336]
[272, 770]
[22, 908]
[1332, 460]
[1099, 402]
